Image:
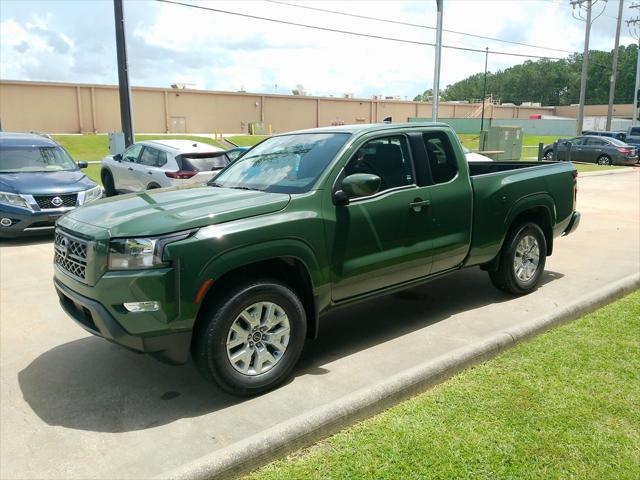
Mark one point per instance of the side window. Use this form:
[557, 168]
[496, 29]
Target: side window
[131, 154]
[442, 160]
[153, 157]
[386, 157]
[635, 131]
[577, 141]
[595, 142]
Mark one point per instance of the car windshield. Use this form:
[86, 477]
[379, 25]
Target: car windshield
[14, 159]
[204, 162]
[283, 164]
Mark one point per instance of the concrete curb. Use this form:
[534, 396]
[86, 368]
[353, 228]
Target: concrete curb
[306, 429]
[608, 172]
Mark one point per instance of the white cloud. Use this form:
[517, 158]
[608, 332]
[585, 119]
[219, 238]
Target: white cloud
[171, 43]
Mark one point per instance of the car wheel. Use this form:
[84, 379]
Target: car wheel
[249, 341]
[107, 183]
[522, 260]
[603, 160]
[548, 155]
[151, 186]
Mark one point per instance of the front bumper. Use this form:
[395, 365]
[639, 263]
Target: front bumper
[27, 223]
[573, 224]
[173, 347]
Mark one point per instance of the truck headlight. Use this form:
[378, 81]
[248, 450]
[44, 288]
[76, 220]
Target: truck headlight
[93, 194]
[14, 200]
[140, 253]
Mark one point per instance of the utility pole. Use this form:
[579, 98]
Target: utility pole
[614, 69]
[123, 75]
[634, 29]
[436, 73]
[484, 87]
[585, 59]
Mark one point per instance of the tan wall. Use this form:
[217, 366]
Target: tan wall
[624, 110]
[75, 108]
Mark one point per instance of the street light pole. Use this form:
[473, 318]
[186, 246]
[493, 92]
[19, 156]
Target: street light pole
[614, 69]
[123, 75]
[634, 29]
[585, 64]
[436, 73]
[484, 86]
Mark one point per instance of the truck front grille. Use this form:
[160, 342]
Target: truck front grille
[56, 201]
[71, 255]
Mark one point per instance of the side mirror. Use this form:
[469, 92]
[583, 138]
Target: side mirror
[356, 185]
[82, 164]
[117, 157]
[361, 184]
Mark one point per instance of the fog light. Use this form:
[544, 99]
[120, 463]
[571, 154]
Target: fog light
[135, 307]
[5, 222]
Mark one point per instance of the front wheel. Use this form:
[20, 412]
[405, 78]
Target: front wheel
[249, 341]
[522, 260]
[548, 155]
[603, 160]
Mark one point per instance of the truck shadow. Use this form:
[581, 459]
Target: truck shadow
[90, 384]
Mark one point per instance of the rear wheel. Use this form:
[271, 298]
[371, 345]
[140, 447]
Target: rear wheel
[107, 183]
[250, 340]
[603, 160]
[522, 260]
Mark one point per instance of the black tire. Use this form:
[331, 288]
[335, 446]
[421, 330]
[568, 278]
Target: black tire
[209, 346]
[505, 277]
[603, 160]
[548, 155]
[107, 183]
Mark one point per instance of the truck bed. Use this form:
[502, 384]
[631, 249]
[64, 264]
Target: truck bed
[500, 189]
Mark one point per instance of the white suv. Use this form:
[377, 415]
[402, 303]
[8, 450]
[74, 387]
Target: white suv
[161, 163]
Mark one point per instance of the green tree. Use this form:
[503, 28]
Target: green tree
[551, 82]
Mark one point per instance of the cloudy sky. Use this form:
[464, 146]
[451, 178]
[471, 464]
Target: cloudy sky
[74, 41]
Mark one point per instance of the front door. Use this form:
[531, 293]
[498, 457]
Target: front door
[381, 240]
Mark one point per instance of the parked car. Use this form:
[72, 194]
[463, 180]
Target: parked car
[594, 149]
[236, 152]
[633, 136]
[161, 163]
[39, 182]
[475, 157]
[238, 272]
[617, 135]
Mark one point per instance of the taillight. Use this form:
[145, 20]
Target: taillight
[626, 151]
[181, 174]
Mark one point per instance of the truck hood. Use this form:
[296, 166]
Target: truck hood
[166, 210]
[42, 183]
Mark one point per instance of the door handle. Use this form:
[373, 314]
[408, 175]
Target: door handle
[130, 169]
[150, 173]
[418, 203]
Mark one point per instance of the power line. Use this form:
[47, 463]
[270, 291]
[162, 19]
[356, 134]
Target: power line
[357, 34]
[427, 27]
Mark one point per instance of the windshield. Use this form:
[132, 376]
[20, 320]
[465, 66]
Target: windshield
[15, 159]
[204, 162]
[283, 164]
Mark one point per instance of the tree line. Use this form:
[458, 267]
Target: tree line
[550, 82]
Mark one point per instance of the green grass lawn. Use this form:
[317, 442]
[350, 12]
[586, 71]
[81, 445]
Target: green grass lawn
[564, 405]
[588, 167]
[247, 140]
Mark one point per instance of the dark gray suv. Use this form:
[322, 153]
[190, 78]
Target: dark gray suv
[39, 182]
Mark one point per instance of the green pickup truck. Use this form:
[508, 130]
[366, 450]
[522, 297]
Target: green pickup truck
[238, 272]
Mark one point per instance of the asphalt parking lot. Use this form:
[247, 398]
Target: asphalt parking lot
[75, 406]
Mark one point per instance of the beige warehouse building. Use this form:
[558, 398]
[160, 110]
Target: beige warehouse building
[82, 108]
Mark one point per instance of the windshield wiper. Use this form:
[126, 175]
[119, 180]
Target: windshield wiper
[246, 188]
[214, 184]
